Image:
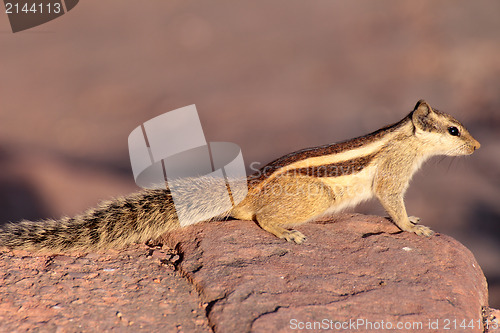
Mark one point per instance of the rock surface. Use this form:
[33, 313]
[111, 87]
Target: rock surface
[135, 289]
[353, 272]
[357, 268]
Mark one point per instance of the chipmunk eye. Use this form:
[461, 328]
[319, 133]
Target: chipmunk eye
[453, 131]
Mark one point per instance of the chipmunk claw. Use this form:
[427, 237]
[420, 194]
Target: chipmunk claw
[294, 236]
[422, 230]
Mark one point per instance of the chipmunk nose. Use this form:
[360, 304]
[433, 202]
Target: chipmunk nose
[476, 144]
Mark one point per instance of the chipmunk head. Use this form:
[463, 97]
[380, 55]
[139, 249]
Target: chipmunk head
[440, 133]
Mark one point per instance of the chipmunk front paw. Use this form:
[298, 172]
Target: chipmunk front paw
[294, 236]
[422, 230]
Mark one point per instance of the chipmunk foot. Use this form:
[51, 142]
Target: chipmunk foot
[419, 229]
[294, 236]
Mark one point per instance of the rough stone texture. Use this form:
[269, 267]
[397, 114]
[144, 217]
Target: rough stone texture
[233, 277]
[355, 268]
[131, 290]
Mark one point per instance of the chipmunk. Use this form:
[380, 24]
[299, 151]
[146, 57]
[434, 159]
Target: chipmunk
[291, 190]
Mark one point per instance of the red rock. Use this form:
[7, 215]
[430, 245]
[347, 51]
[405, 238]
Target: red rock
[354, 271]
[60, 299]
[356, 267]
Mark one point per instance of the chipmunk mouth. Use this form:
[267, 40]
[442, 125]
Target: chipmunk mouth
[469, 149]
[462, 150]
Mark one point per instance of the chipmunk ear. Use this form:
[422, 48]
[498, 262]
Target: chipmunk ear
[421, 115]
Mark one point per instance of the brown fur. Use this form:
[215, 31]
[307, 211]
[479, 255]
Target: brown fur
[336, 169]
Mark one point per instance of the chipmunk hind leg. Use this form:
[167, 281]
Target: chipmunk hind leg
[289, 201]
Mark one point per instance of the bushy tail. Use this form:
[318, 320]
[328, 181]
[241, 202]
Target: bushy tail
[113, 224]
[134, 219]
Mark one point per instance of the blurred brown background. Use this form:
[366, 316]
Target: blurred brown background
[272, 76]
